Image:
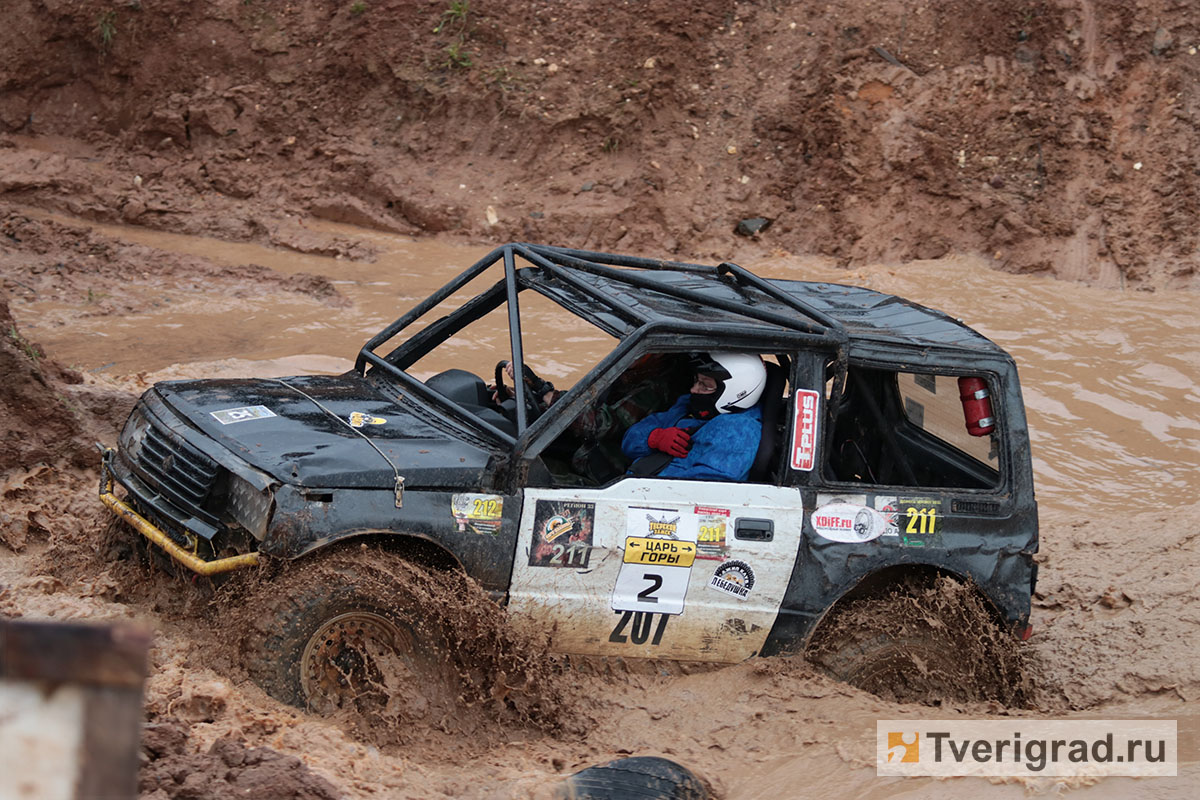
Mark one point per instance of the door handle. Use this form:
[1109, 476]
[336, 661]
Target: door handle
[754, 530]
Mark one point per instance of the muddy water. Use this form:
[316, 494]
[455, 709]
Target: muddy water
[279, 334]
[1110, 377]
[1110, 381]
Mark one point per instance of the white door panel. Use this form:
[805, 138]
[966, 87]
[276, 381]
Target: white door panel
[652, 567]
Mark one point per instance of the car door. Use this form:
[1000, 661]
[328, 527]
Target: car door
[657, 568]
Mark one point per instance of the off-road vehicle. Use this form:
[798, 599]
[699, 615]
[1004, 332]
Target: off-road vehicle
[894, 451]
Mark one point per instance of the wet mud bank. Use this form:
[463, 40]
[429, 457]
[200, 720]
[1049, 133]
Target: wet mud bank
[1049, 137]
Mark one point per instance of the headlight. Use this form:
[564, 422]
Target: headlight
[134, 435]
[249, 506]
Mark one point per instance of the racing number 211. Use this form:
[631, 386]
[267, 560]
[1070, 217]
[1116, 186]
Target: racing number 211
[921, 520]
[639, 631]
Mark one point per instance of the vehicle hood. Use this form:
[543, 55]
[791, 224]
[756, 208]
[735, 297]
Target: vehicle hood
[329, 431]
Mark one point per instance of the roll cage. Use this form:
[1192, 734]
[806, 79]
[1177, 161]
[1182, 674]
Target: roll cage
[643, 303]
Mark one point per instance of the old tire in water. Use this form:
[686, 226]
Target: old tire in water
[926, 644]
[352, 629]
[636, 778]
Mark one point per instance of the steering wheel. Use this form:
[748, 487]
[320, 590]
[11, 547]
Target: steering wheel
[534, 406]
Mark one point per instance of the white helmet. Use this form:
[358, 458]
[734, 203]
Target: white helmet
[741, 378]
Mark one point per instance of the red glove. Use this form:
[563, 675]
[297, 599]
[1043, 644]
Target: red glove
[672, 441]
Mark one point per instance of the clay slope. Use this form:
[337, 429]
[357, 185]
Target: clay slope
[1050, 136]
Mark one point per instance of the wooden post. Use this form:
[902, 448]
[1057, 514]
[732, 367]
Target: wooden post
[70, 710]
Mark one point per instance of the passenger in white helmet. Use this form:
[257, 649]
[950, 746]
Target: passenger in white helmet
[713, 431]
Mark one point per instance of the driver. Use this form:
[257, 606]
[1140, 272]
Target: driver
[712, 432]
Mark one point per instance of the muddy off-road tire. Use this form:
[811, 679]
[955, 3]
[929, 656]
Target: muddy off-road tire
[636, 778]
[931, 644]
[354, 629]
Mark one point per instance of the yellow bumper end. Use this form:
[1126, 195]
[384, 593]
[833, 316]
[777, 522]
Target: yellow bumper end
[147, 529]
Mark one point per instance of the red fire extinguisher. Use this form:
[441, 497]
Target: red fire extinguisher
[977, 406]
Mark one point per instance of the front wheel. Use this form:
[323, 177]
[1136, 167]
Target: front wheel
[356, 629]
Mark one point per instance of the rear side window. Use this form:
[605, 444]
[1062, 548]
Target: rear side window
[922, 430]
[933, 404]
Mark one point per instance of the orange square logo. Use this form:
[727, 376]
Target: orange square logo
[904, 747]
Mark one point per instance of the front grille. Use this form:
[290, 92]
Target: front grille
[180, 472]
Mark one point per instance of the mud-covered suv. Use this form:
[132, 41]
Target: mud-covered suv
[894, 452]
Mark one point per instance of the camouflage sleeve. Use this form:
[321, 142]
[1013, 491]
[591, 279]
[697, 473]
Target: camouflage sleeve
[607, 419]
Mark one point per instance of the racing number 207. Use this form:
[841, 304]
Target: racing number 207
[639, 631]
[641, 625]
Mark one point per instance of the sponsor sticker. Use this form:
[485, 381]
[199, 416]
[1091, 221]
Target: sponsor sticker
[478, 513]
[712, 522]
[358, 419]
[562, 534]
[804, 430]
[846, 522]
[655, 550]
[656, 564]
[887, 507]
[916, 521]
[231, 415]
[665, 525]
[734, 578]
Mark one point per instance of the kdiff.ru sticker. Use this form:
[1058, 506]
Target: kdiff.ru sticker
[844, 522]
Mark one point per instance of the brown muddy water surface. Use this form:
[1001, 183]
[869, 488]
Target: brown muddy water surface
[1110, 380]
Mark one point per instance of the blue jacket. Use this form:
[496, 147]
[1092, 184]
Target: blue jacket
[723, 449]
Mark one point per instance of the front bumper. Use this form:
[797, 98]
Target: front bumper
[150, 531]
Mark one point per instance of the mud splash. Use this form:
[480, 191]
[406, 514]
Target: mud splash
[935, 644]
[425, 651]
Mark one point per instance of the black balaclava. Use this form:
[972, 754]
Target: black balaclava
[704, 406]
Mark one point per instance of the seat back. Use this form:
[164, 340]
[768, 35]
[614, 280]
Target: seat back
[772, 409]
[469, 391]
[464, 388]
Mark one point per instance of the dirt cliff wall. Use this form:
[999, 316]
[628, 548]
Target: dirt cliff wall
[1053, 136]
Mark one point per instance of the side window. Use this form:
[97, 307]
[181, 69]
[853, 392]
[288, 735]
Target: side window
[588, 452]
[915, 429]
[933, 403]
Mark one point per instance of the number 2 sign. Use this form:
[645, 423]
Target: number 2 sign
[656, 565]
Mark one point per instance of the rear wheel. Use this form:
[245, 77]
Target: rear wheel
[928, 644]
